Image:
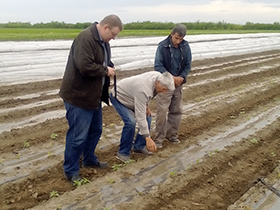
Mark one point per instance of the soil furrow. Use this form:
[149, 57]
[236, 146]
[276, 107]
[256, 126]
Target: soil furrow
[220, 183]
[35, 109]
[221, 94]
[19, 101]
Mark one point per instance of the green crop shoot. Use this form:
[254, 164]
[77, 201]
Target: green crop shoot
[54, 194]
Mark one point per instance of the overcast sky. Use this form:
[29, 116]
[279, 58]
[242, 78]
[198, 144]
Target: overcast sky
[73, 11]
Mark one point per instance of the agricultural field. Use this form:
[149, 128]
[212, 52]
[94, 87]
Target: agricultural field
[27, 34]
[230, 138]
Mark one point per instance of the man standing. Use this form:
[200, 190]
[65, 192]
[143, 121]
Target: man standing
[85, 84]
[173, 55]
[131, 102]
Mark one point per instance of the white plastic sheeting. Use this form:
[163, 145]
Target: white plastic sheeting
[22, 62]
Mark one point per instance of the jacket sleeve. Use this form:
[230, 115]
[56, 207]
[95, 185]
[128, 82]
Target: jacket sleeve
[159, 62]
[187, 65]
[140, 104]
[85, 58]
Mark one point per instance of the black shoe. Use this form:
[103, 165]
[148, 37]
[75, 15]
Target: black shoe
[97, 165]
[143, 151]
[73, 178]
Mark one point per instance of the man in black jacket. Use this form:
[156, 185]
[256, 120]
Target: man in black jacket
[85, 84]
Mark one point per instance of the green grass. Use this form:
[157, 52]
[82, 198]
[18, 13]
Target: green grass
[28, 34]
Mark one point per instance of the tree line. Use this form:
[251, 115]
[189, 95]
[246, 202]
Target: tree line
[148, 25]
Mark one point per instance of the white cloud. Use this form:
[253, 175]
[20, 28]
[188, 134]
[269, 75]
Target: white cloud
[239, 12]
[228, 11]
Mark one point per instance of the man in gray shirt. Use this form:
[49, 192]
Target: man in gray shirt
[130, 99]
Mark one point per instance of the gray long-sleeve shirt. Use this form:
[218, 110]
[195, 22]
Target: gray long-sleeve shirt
[135, 93]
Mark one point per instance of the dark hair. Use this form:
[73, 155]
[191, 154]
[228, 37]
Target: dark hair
[112, 21]
[179, 29]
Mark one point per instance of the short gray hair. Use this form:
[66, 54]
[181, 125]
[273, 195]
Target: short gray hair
[179, 29]
[167, 80]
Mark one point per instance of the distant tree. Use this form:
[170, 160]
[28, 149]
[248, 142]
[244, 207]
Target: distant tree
[148, 25]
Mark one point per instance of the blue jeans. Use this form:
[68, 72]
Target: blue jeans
[128, 131]
[85, 128]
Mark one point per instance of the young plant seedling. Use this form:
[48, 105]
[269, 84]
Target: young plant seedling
[81, 182]
[211, 154]
[53, 136]
[111, 181]
[54, 194]
[117, 166]
[254, 141]
[129, 161]
[242, 111]
[173, 174]
[26, 144]
[273, 154]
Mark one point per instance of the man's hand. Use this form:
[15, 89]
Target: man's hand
[111, 71]
[178, 81]
[150, 144]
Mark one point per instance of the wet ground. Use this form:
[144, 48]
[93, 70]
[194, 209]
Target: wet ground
[229, 135]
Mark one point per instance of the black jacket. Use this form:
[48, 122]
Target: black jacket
[82, 81]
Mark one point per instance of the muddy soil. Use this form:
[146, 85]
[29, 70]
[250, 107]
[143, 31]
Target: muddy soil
[230, 137]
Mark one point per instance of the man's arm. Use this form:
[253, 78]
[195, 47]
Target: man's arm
[158, 65]
[187, 65]
[140, 110]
